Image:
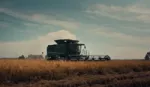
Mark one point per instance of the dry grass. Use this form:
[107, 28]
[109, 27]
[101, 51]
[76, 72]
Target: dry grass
[105, 73]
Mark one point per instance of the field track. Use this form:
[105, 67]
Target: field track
[42, 73]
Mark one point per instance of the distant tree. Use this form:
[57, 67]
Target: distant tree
[147, 56]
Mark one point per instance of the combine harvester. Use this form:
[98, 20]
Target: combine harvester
[67, 49]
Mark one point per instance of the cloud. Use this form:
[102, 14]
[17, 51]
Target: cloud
[15, 49]
[126, 52]
[3, 25]
[118, 44]
[48, 20]
[130, 52]
[116, 51]
[43, 19]
[135, 12]
[107, 32]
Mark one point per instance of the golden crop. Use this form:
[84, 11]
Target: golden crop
[36, 70]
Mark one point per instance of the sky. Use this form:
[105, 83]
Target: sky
[119, 28]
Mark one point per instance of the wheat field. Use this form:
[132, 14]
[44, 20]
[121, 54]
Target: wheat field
[42, 73]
